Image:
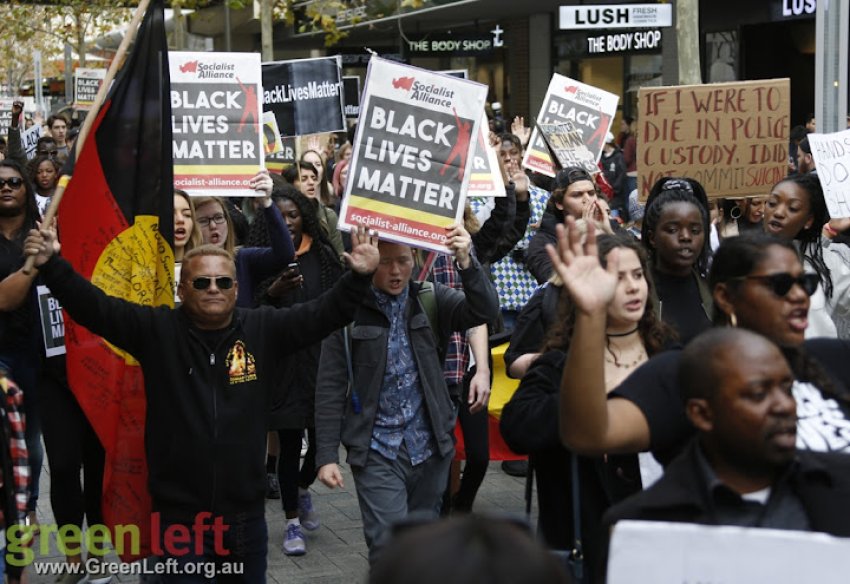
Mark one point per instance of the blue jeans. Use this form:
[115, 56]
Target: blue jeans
[246, 540]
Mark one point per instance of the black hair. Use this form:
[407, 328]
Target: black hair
[628, 119]
[738, 257]
[798, 133]
[809, 238]
[699, 375]
[559, 185]
[32, 166]
[512, 138]
[665, 191]
[805, 146]
[30, 207]
[654, 332]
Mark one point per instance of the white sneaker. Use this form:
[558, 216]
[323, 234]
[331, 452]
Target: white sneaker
[293, 542]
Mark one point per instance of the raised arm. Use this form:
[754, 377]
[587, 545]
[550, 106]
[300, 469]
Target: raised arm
[118, 321]
[589, 422]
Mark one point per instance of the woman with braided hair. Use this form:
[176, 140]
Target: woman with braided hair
[758, 283]
[675, 233]
[318, 267]
[796, 211]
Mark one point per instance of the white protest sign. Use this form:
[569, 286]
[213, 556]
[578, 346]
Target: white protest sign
[216, 124]
[832, 160]
[486, 178]
[590, 109]
[86, 84]
[29, 139]
[412, 153]
[677, 553]
[52, 322]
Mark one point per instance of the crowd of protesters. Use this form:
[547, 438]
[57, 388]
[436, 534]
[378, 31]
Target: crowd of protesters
[684, 358]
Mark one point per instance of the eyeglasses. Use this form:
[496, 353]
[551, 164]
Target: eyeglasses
[221, 282]
[14, 182]
[217, 219]
[781, 284]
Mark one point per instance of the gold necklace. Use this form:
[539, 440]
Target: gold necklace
[613, 361]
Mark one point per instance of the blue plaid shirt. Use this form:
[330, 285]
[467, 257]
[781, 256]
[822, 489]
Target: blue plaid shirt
[401, 412]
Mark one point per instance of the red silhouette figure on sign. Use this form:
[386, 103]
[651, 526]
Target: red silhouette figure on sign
[189, 67]
[571, 89]
[461, 147]
[250, 109]
[597, 139]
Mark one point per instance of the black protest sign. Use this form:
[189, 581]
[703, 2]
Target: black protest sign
[306, 95]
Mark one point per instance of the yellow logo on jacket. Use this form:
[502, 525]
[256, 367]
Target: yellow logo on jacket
[240, 364]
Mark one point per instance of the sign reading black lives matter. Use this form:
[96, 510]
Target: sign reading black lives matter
[52, 322]
[590, 109]
[86, 84]
[305, 95]
[351, 86]
[413, 153]
[216, 123]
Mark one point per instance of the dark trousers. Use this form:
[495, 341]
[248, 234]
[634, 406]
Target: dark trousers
[71, 443]
[476, 443]
[289, 475]
[246, 540]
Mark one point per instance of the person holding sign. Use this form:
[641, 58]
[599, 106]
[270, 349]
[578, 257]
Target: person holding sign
[743, 468]
[253, 264]
[395, 416]
[208, 369]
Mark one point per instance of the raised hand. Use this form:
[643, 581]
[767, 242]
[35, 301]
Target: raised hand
[520, 130]
[41, 243]
[262, 182]
[597, 213]
[591, 286]
[364, 256]
[459, 242]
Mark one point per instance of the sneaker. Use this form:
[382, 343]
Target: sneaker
[306, 513]
[293, 543]
[272, 486]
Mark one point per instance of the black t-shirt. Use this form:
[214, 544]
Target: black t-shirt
[17, 325]
[681, 305]
[824, 422]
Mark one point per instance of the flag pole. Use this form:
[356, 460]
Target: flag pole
[117, 63]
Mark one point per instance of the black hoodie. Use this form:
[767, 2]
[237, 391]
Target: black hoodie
[205, 432]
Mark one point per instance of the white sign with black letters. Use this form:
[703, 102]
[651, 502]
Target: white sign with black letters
[616, 16]
[52, 322]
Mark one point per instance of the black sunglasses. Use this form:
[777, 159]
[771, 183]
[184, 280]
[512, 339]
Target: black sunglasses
[781, 284]
[221, 282]
[14, 182]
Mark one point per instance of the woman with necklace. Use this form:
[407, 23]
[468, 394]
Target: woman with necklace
[529, 421]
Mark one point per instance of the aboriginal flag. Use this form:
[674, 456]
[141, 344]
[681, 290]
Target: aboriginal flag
[116, 228]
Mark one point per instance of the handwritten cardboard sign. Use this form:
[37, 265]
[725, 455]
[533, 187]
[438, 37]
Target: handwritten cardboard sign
[731, 137]
[832, 160]
[566, 143]
[412, 153]
[215, 107]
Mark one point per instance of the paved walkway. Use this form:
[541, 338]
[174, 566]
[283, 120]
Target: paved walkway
[336, 552]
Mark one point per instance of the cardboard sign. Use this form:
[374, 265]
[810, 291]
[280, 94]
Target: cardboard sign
[832, 159]
[86, 84]
[486, 178]
[351, 95]
[566, 143]
[29, 139]
[413, 150]
[674, 553]
[306, 95]
[215, 109]
[731, 137]
[589, 109]
[52, 322]
[271, 135]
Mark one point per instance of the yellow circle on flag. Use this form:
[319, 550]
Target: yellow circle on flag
[138, 266]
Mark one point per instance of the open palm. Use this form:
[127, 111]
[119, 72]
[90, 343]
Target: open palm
[364, 256]
[591, 286]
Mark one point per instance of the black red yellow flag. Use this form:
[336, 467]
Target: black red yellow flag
[116, 226]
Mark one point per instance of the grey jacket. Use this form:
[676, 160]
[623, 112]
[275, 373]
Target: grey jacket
[336, 420]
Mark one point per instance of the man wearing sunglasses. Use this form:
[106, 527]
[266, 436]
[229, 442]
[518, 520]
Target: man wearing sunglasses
[208, 369]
